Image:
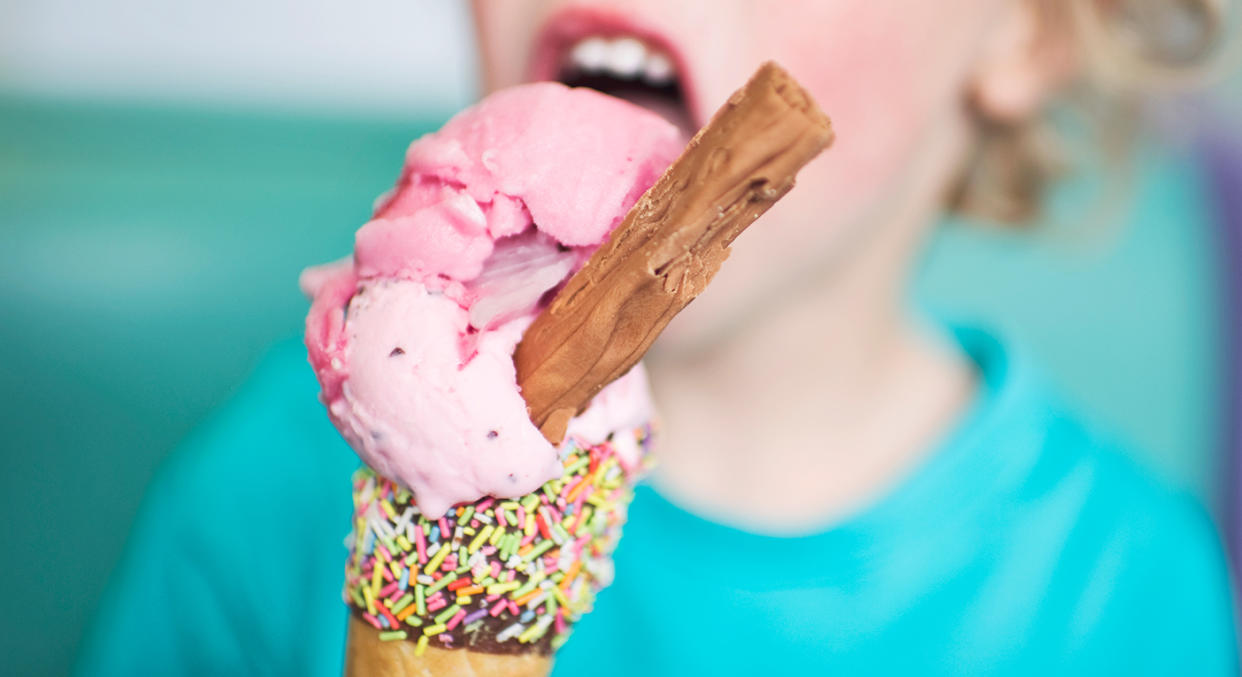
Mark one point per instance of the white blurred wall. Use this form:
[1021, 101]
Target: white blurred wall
[370, 56]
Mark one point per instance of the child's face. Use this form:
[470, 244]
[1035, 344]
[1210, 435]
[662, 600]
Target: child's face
[892, 75]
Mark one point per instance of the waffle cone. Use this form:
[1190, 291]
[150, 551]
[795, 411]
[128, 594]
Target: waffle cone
[367, 656]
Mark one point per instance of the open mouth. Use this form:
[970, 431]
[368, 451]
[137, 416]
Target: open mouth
[612, 55]
[628, 68]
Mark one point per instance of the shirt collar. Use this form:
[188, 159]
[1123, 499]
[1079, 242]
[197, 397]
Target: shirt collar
[986, 452]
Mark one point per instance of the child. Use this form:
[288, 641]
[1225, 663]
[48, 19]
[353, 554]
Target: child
[842, 488]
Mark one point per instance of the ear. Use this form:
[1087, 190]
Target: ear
[1033, 53]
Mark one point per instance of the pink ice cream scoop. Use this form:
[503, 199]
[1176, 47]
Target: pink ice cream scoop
[412, 340]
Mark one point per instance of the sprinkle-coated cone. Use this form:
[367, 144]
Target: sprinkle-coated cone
[494, 586]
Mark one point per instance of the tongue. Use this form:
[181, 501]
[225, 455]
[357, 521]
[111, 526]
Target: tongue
[520, 270]
[668, 107]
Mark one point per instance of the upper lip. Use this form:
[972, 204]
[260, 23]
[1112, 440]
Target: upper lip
[568, 26]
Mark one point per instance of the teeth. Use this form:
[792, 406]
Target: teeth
[625, 58]
[591, 55]
[658, 69]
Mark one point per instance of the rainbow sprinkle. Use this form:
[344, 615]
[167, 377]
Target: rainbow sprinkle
[498, 575]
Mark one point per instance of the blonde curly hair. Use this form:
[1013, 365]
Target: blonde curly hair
[1130, 49]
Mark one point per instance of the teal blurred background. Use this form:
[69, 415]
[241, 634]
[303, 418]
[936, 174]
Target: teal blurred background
[152, 235]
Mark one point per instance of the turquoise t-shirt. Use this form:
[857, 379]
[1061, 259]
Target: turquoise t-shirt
[1027, 544]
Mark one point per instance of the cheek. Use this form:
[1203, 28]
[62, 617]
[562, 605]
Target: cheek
[874, 86]
[505, 32]
[885, 75]
[881, 69]
[875, 113]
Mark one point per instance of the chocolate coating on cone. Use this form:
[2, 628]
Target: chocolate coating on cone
[507, 576]
[367, 656]
[668, 247]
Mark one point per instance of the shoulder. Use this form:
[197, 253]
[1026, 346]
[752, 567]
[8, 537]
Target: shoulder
[1137, 560]
[268, 451]
[246, 515]
[1116, 556]
[272, 427]
[1052, 452]
[1120, 496]
[249, 513]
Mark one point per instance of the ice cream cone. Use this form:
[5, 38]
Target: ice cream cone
[431, 378]
[492, 587]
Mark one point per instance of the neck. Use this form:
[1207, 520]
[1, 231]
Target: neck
[818, 404]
